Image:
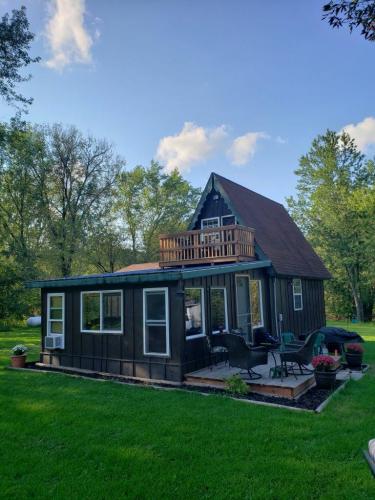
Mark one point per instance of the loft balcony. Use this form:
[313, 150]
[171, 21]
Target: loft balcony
[207, 246]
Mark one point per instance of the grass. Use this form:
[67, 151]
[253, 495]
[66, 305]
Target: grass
[66, 437]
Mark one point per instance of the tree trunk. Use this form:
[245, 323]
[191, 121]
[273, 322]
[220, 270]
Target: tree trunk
[358, 306]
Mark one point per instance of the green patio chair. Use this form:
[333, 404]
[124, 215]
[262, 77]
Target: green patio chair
[318, 345]
[289, 341]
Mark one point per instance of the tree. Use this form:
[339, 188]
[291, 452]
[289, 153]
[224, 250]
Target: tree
[335, 207]
[15, 40]
[151, 202]
[20, 228]
[75, 182]
[354, 13]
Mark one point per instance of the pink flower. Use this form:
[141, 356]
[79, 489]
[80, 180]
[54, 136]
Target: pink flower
[323, 362]
[354, 349]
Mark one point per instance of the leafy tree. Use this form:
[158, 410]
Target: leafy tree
[75, 181]
[335, 207]
[354, 13]
[151, 202]
[15, 40]
[20, 228]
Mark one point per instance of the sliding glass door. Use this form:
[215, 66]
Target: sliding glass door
[249, 305]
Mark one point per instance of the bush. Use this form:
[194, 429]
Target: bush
[236, 385]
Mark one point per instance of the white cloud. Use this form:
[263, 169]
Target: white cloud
[191, 145]
[67, 37]
[243, 147]
[363, 132]
[280, 140]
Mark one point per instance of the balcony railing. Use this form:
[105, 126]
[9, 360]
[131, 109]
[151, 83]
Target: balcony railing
[218, 244]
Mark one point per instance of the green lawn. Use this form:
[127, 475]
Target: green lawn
[65, 437]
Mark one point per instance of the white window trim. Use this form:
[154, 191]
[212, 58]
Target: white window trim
[226, 216]
[203, 334]
[101, 330]
[261, 324]
[297, 294]
[56, 294]
[226, 329]
[210, 218]
[161, 322]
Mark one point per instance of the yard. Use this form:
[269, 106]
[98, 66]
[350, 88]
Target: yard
[66, 437]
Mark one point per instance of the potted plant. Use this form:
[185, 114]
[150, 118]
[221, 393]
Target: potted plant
[19, 356]
[354, 355]
[324, 371]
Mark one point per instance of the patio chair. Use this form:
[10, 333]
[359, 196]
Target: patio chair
[216, 345]
[370, 455]
[240, 355]
[302, 356]
[288, 340]
[318, 345]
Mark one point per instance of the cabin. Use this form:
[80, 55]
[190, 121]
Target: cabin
[241, 265]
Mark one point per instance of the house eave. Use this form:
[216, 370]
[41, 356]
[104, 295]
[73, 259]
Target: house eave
[148, 276]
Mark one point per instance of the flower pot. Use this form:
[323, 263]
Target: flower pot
[18, 361]
[354, 359]
[325, 380]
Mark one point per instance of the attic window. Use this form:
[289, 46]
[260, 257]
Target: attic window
[297, 294]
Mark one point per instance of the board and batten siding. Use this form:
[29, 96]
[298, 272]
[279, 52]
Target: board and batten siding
[114, 352]
[311, 317]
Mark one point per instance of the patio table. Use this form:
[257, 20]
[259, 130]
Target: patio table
[278, 371]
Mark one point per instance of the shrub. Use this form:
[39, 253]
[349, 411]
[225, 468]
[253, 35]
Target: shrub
[354, 349]
[19, 350]
[323, 363]
[236, 385]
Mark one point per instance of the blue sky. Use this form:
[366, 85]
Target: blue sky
[236, 87]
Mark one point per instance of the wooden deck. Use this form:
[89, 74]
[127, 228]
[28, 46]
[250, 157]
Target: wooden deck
[213, 245]
[289, 387]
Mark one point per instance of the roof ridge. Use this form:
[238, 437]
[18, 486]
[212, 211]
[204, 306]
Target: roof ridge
[247, 189]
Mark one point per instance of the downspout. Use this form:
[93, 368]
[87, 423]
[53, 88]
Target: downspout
[275, 306]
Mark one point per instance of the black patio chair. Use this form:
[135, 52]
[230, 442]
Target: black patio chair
[216, 345]
[301, 356]
[240, 355]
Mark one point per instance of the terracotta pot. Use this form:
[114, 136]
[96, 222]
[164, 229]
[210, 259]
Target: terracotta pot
[325, 380]
[18, 361]
[354, 359]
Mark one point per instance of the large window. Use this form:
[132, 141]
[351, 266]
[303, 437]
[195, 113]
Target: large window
[101, 311]
[55, 313]
[218, 308]
[297, 295]
[256, 303]
[194, 313]
[155, 322]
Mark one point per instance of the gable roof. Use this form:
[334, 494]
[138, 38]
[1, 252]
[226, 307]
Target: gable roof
[276, 234]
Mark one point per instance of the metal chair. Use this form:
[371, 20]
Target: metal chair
[240, 355]
[216, 345]
[301, 356]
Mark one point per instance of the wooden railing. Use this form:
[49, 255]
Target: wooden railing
[217, 244]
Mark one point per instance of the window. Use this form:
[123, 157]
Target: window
[55, 314]
[218, 308]
[194, 313]
[256, 303]
[297, 294]
[155, 322]
[101, 312]
[207, 223]
[228, 220]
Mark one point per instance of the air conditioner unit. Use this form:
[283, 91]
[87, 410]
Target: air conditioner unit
[54, 342]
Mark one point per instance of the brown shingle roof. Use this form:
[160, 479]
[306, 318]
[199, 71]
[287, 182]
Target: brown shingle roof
[275, 232]
[139, 267]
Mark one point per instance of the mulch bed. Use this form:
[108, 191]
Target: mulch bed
[310, 400]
